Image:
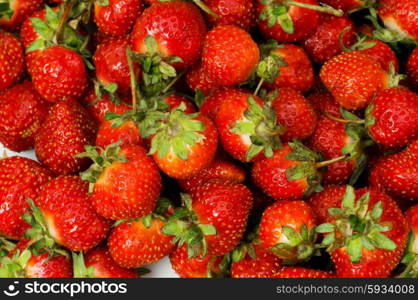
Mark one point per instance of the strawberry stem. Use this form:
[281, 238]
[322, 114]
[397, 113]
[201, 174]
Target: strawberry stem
[329, 116]
[324, 9]
[329, 162]
[134, 90]
[260, 84]
[340, 39]
[59, 33]
[206, 9]
[172, 82]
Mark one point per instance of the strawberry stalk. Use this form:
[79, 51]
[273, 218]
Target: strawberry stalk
[59, 33]
[330, 162]
[341, 120]
[134, 90]
[206, 9]
[172, 82]
[321, 8]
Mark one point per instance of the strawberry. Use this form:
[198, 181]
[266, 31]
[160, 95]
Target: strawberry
[97, 263]
[229, 55]
[325, 41]
[366, 234]
[240, 13]
[391, 117]
[412, 218]
[294, 113]
[113, 169]
[127, 134]
[22, 112]
[198, 79]
[178, 29]
[20, 178]
[253, 261]
[287, 229]
[400, 16]
[175, 100]
[349, 5]
[202, 266]
[290, 21]
[247, 127]
[212, 103]
[67, 214]
[324, 103]
[59, 74]
[410, 258]
[16, 11]
[220, 168]
[212, 219]
[11, 60]
[299, 272]
[140, 242]
[412, 67]
[326, 199]
[366, 79]
[64, 133]
[116, 17]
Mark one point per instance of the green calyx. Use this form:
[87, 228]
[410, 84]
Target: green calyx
[5, 9]
[184, 225]
[410, 259]
[79, 267]
[269, 66]
[300, 246]
[14, 267]
[260, 124]
[356, 227]
[242, 251]
[109, 89]
[101, 161]
[102, 2]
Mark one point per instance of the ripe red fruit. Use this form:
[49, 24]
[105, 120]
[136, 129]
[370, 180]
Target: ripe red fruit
[412, 67]
[18, 11]
[20, 178]
[330, 197]
[229, 55]
[69, 215]
[380, 52]
[59, 74]
[126, 134]
[294, 113]
[348, 5]
[12, 63]
[134, 244]
[324, 103]
[64, 133]
[391, 118]
[287, 229]
[126, 169]
[198, 79]
[299, 272]
[412, 218]
[366, 79]
[325, 42]
[22, 112]
[103, 265]
[175, 100]
[117, 17]
[178, 28]
[212, 103]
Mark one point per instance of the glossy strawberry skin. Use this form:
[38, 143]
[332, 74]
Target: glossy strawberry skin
[394, 112]
[295, 114]
[304, 20]
[330, 197]
[59, 74]
[212, 103]
[21, 10]
[412, 67]
[175, 100]
[324, 43]
[11, 60]
[346, 5]
[198, 79]
[225, 205]
[104, 266]
[69, 215]
[20, 178]
[400, 16]
[140, 191]
[127, 134]
[265, 265]
[269, 175]
[178, 28]
[132, 245]
[412, 218]
[22, 112]
[383, 54]
[118, 17]
[299, 272]
[44, 266]
[64, 133]
[323, 102]
[366, 79]
[229, 55]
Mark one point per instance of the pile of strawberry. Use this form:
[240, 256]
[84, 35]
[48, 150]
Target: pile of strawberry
[267, 138]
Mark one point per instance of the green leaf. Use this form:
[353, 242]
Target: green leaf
[325, 228]
[349, 197]
[207, 229]
[151, 44]
[377, 211]
[382, 241]
[354, 249]
[293, 236]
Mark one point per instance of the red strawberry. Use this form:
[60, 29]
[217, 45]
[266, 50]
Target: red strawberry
[372, 238]
[64, 133]
[126, 169]
[247, 126]
[325, 42]
[194, 267]
[68, 214]
[217, 212]
[294, 113]
[220, 168]
[178, 28]
[299, 272]
[366, 79]
[175, 100]
[20, 178]
[11, 60]
[412, 67]
[349, 5]
[211, 104]
[59, 74]
[136, 243]
[240, 13]
[198, 79]
[127, 134]
[22, 112]
[117, 17]
[330, 197]
[324, 103]
[101, 265]
[253, 261]
[229, 55]
[391, 117]
[412, 218]
[18, 10]
[287, 229]
[400, 16]
[290, 22]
